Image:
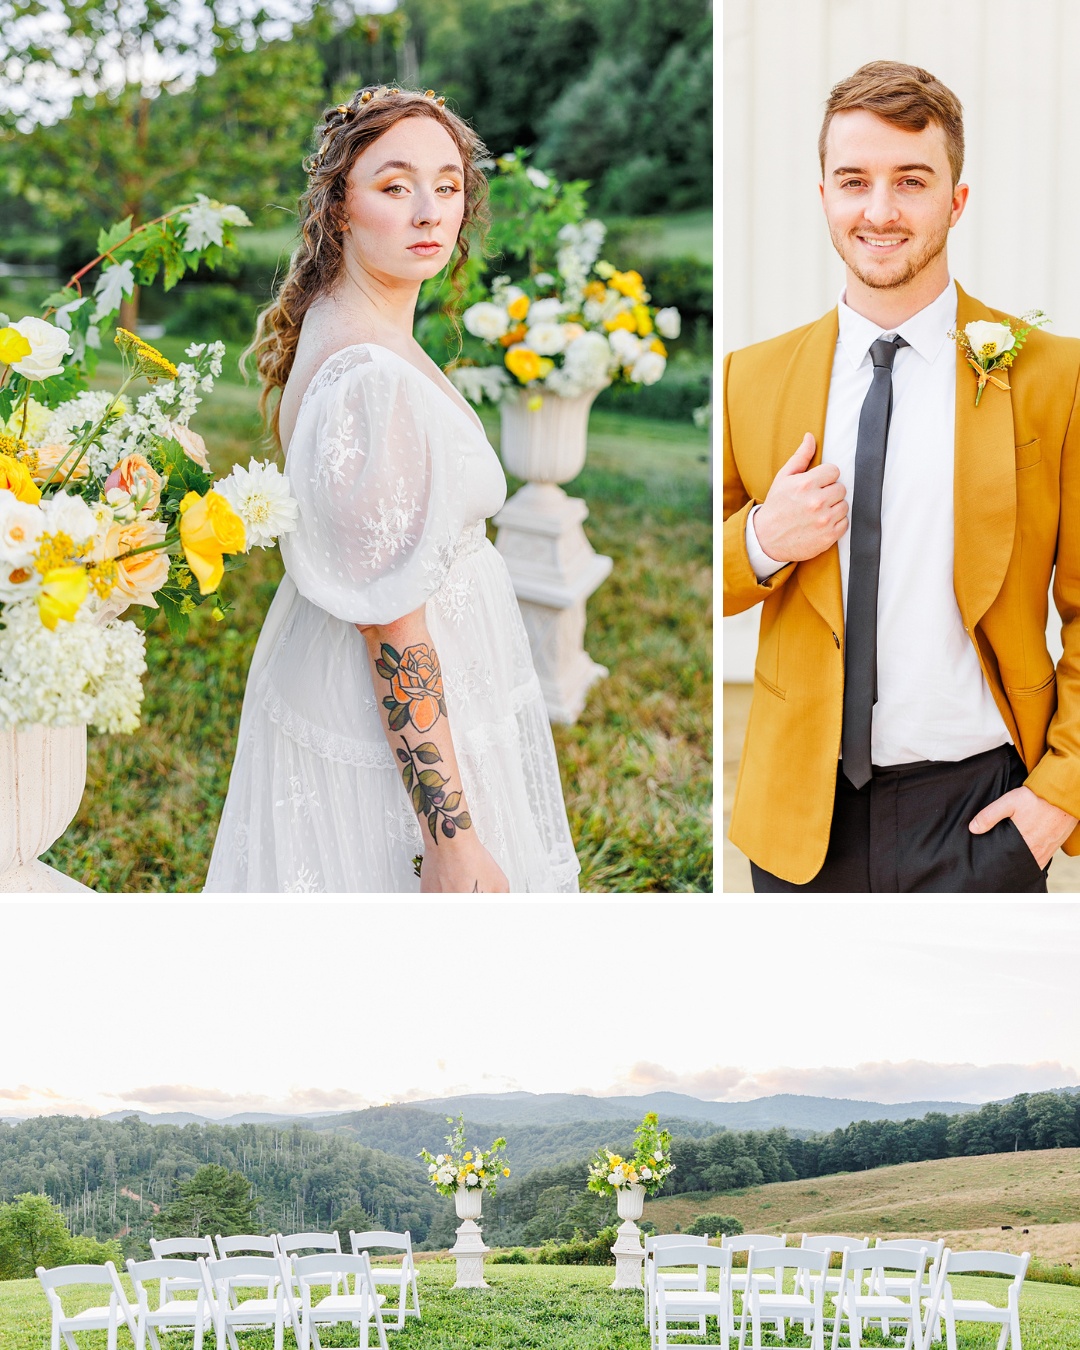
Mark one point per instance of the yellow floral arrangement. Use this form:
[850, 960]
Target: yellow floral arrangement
[464, 1168]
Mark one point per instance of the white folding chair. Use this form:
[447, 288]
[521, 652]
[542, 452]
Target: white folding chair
[246, 1244]
[361, 1307]
[675, 1280]
[191, 1248]
[106, 1317]
[172, 1312]
[944, 1304]
[837, 1244]
[402, 1275]
[774, 1305]
[680, 1305]
[746, 1242]
[854, 1304]
[290, 1245]
[225, 1277]
[887, 1285]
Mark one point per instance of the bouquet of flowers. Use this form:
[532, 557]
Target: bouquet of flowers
[106, 499]
[571, 328]
[464, 1168]
[649, 1165]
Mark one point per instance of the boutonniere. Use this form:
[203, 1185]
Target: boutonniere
[994, 346]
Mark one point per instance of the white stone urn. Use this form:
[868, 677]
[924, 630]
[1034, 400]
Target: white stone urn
[628, 1252]
[42, 777]
[551, 563]
[469, 1250]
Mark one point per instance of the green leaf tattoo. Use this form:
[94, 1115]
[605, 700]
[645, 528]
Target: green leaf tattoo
[427, 789]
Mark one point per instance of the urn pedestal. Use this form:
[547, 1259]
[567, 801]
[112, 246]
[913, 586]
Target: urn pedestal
[42, 777]
[551, 563]
[469, 1250]
[628, 1252]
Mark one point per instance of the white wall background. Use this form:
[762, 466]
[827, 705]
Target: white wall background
[1014, 64]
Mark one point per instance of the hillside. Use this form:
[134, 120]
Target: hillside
[965, 1200]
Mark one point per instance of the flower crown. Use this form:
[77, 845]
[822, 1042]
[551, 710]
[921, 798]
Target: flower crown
[343, 114]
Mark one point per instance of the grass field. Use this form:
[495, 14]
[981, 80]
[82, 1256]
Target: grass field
[636, 767]
[964, 1200]
[540, 1308]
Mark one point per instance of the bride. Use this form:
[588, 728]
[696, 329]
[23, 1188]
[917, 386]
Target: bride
[391, 708]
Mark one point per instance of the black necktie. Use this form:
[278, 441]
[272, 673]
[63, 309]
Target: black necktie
[860, 622]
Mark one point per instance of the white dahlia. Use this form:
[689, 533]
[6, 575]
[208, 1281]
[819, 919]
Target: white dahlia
[260, 496]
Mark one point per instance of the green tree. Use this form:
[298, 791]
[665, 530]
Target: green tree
[214, 1200]
[32, 1234]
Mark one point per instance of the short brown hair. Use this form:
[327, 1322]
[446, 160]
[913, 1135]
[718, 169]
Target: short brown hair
[906, 96]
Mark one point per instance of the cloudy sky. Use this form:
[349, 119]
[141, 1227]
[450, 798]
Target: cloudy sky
[311, 1006]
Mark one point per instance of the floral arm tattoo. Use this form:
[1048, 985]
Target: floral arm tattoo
[415, 702]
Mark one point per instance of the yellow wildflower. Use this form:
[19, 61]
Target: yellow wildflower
[102, 577]
[147, 360]
[55, 552]
[12, 445]
[13, 346]
[518, 307]
[15, 476]
[62, 592]
[523, 363]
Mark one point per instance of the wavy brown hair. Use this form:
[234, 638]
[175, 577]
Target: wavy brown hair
[346, 131]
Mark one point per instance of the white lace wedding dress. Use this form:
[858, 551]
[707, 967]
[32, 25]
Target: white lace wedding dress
[394, 482]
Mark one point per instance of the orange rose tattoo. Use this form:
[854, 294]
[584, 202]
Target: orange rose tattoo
[416, 687]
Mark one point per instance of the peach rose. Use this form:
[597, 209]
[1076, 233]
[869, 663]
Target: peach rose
[139, 575]
[137, 477]
[55, 459]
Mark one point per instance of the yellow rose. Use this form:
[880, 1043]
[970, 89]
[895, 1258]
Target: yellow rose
[657, 346]
[624, 319]
[547, 365]
[642, 319]
[630, 284]
[13, 346]
[16, 478]
[63, 590]
[209, 527]
[595, 290]
[139, 575]
[518, 308]
[523, 363]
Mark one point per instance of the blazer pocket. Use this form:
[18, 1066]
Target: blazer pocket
[768, 684]
[1027, 691]
[1028, 454]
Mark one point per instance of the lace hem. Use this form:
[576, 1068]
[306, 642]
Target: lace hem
[377, 754]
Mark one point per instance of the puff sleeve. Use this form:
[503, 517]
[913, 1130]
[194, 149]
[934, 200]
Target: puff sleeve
[380, 491]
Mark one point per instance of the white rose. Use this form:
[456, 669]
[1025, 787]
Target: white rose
[64, 514]
[645, 1174]
[998, 337]
[658, 1156]
[20, 526]
[18, 581]
[472, 1179]
[626, 346]
[545, 311]
[48, 346]
[668, 322]
[548, 339]
[648, 368]
[487, 321]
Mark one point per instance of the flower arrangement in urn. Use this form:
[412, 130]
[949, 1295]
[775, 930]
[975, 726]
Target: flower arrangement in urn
[106, 498]
[575, 322]
[648, 1166]
[464, 1168]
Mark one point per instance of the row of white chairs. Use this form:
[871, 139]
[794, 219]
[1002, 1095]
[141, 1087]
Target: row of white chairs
[199, 1286]
[905, 1281]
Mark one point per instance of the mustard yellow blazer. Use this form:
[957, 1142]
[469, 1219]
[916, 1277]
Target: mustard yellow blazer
[1017, 521]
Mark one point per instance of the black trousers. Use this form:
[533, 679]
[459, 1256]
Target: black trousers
[907, 830]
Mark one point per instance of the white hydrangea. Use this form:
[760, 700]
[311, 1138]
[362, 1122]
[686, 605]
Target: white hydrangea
[581, 248]
[81, 672]
[260, 496]
[479, 382]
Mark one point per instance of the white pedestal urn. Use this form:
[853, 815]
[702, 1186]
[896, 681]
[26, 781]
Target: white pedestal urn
[628, 1252]
[552, 564]
[469, 1250]
[42, 777]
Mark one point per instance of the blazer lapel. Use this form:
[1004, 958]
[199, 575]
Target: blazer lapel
[984, 481]
[802, 402]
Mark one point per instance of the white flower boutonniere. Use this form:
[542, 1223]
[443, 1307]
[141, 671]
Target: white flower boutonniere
[994, 346]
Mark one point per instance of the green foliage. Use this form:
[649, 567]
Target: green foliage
[580, 1250]
[224, 311]
[713, 1225]
[352, 1219]
[516, 1257]
[33, 1233]
[214, 1200]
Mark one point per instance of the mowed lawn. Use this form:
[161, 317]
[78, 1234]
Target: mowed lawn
[974, 1203]
[541, 1308]
[636, 768]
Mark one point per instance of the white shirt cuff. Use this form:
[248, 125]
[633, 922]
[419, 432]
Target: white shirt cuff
[763, 565]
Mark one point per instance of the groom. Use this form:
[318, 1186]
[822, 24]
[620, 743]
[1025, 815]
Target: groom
[908, 730]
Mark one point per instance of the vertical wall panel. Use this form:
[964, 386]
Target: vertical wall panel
[1015, 68]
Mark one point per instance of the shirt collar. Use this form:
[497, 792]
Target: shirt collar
[925, 331]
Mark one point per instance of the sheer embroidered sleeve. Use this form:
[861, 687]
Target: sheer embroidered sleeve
[380, 489]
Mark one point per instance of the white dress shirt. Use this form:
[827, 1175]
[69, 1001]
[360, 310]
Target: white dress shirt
[933, 702]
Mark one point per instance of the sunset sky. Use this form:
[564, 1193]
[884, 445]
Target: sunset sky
[313, 1006]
